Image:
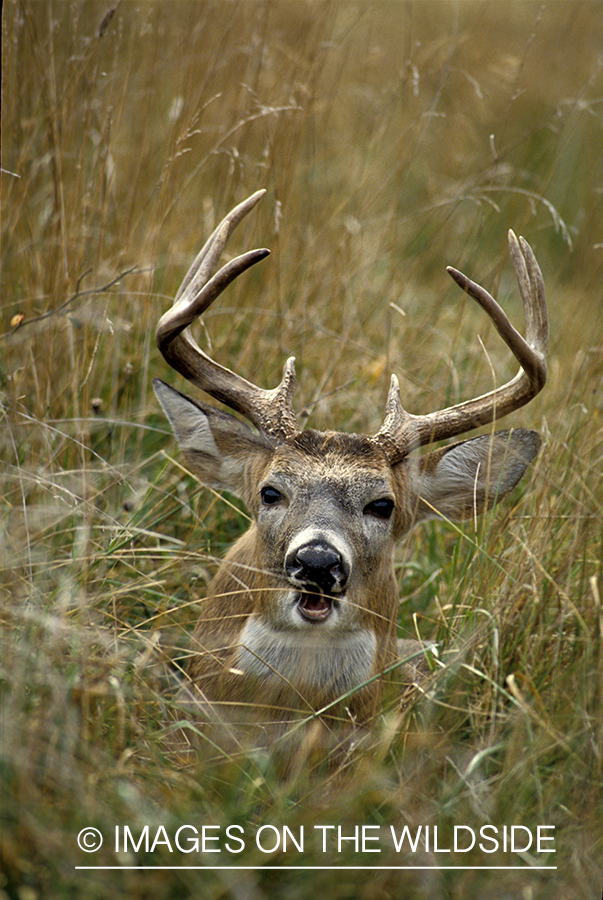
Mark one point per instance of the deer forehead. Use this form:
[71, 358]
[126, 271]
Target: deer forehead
[345, 466]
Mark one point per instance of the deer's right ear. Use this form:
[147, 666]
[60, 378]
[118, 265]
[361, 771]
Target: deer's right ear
[217, 447]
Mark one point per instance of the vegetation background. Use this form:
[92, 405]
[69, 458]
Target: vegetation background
[392, 138]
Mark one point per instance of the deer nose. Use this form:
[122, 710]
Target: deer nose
[318, 564]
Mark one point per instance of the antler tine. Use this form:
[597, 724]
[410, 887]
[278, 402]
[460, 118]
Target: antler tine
[224, 229]
[270, 411]
[396, 433]
[532, 294]
[401, 431]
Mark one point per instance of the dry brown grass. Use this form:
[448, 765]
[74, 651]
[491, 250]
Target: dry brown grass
[393, 139]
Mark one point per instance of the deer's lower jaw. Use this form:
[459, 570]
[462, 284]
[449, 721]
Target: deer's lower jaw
[314, 607]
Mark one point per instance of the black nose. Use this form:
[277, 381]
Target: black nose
[317, 564]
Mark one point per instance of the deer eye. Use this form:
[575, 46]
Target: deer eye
[270, 496]
[381, 509]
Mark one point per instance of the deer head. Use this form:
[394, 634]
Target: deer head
[303, 608]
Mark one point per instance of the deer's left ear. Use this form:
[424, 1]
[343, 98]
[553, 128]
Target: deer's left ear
[463, 479]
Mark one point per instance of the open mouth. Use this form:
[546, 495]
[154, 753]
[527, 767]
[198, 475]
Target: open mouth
[314, 607]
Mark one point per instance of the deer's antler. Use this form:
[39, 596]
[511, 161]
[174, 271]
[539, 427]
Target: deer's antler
[401, 431]
[270, 411]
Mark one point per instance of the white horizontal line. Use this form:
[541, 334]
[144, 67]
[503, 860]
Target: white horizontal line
[322, 868]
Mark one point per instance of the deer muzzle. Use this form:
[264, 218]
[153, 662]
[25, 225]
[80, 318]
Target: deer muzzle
[322, 573]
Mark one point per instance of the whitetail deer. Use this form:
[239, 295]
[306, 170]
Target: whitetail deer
[301, 616]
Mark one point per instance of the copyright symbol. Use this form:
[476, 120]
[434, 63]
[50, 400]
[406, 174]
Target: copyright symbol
[90, 840]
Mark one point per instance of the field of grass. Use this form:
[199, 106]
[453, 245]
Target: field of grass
[393, 138]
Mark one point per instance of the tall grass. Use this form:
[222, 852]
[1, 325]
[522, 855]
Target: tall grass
[393, 139]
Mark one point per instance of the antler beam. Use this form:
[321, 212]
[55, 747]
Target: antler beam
[401, 431]
[270, 411]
